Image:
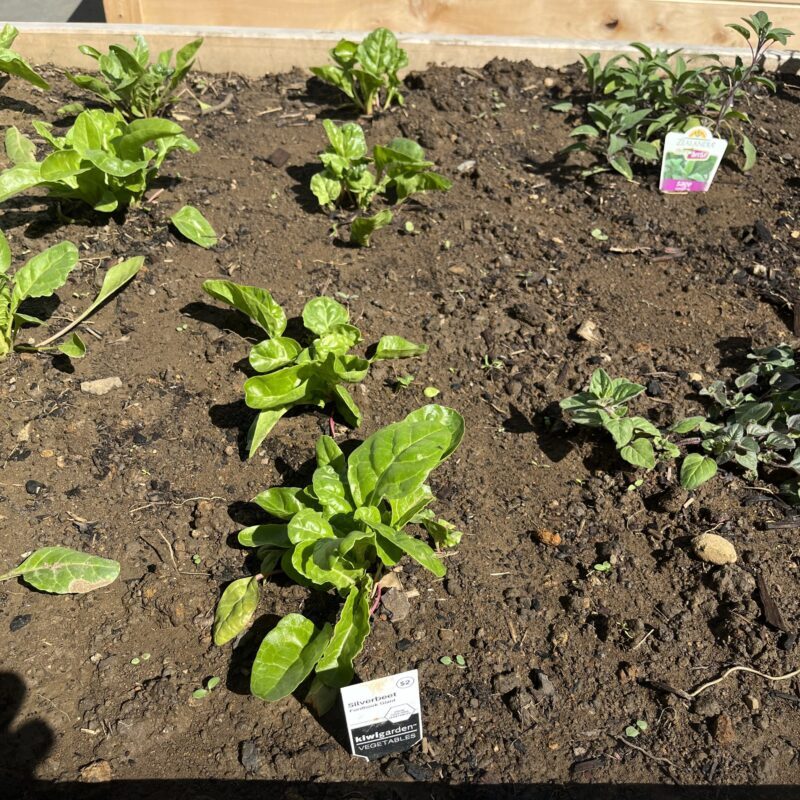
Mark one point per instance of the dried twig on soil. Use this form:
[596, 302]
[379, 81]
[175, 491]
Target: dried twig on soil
[171, 551]
[644, 752]
[219, 106]
[722, 677]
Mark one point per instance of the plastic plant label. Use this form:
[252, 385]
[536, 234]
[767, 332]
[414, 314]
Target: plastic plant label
[383, 716]
[690, 160]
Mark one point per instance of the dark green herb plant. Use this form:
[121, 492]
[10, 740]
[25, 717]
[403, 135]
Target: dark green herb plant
[313, 372]
[338, 535]
[12, 63]
[347, 180]
[60, 570]
[42, 276]
[636, 101]
[130, 83]
[367, 72]
[102, 160]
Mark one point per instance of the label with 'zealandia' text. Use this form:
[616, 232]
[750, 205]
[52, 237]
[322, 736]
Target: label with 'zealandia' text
[383, 716]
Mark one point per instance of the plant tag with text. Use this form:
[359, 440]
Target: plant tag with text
[690, 160]
[383, 716]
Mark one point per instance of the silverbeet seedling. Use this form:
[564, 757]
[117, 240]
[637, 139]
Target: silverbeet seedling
[12, 63]
[41, 276]
[102, 160]
[129, 83]
[348, 181]
[636, 101]
[296, 374]
[60, 570]
[367, 72]
[338, 534]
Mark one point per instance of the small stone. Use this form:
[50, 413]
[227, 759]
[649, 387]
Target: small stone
[20, 621]
[627, 673]
[546, 537]
[404, 644]
[588, 331]
[250, 756]
[278, 157]
[723, 730]
[34, 487]
[752, 702]
[706, 705]
[446, 635]
[713, 549]
[96, 772]
[695, 376]
[787, 642]
[24, 433]
[101, 386]
[465, 166]
[543, 684]
[396, 604]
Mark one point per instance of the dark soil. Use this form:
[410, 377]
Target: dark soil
[497, 277]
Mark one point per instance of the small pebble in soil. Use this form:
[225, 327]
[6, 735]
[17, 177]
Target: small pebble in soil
[34, 487]
[723, 731]
[713, 549]
[101, 386]
[20, 621]
[396, 604]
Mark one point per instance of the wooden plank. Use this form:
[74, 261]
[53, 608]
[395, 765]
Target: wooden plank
[687, 21]
[256, 51]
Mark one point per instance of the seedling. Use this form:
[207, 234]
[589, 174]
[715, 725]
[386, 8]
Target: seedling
[638, 100]
[339, 533]
[347, 180]
[430, 392]
[313, 373]
[42, 276]
[598, 234]
[59, 570]
[211, 684]
[604, 566]
[404, 381]
[132, 85]
[458, 661]
[632, 731]
[102, 160]
[367, 72]
[12, 63]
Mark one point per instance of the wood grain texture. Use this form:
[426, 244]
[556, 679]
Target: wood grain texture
[684, 21]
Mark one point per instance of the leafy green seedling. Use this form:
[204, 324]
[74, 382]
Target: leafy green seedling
[347, 180]
[446, 660]
[211, 684]
[632, 731]
[338, 534]
[301, 374]
[367, 72]
[194, 226]
[430, 392]
[132, 85]
[598, 234]
[404, 381]
[458, 661]
[102, 160]
[638, 100]
[12, 63]
[604, 566]
[42, 276]
[60, 570]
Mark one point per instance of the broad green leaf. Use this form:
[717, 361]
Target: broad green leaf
[143, 131]
[322, 564]
[405, 508]
[276, 389]
[44, 273]
[5, 254]
[415, 548]
[339, 340]
[600, 384]
[323, 314]
[750, 154]
[362, 228]
[377, 52]
[287, 656]
[254, 302]
[60, 570]
[264, 422]
[447, 418]
[696, 470]
[639, 453]
[281, 502]
[329, 453]
[60, 165]
[621, 165]
[18, 179]
[346, 140]
[194, 226]
[271, 535]
[350, 369]
[74, 347]
[346, 406]
[326, 188]
[443, 533]
[620, 429]
[397, 347]
[115, 278]
[308, 525]
[14, 64]
[331, 490]
[19, 148]
[335, 668]
[235, 609]
[271, 354]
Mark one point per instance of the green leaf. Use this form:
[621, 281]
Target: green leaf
[44, 273]
[329, 453]
[335, 668]
[5, 254]
[309, 525]
[19, 148]
[272, 354]
[323, 314]
[235, 609]
[563, 107]
[346, 406]
[415, 548]
[331, 490]
[397, 347]
[270, 535]
[447, 418]
[621, 165]
[696, 470]
[194, 226]
[74, 347]
[321, 562]
[639, 453]
[287, 656]
[326, 188]
[362, 228]
[254, 302]
[14, 64]
[750, 154]
[18, 179]
[278, 389]
[621, 429]
[645, 151]
[264, 422]
[281, 502]
[395, 460]
[60, 570]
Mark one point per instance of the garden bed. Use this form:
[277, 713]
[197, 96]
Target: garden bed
[496, 277]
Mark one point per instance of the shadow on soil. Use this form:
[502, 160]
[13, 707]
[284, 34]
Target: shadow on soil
[24, 746]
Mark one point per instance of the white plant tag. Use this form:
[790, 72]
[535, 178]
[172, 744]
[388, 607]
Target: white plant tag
[383, 716]
[690, 160]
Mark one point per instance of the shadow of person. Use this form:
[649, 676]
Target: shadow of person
[21, 748]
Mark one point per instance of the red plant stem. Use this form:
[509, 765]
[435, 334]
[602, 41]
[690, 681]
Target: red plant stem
[333, 426]
[377, 601]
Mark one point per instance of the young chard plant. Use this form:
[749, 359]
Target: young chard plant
[338, 534]
[367, 72]
[60, 570]
[132, 85]
[41, 276]
[347, 180]
[300, 374]
[12, 63]
[636, 101]
[102, 160]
